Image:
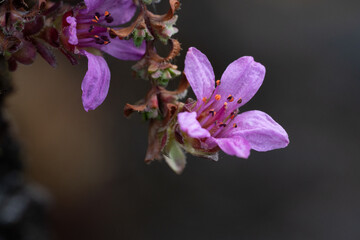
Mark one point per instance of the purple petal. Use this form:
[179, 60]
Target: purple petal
[121, 10]
[124, 49]
[191, 126]
[236, 146]
[261, 131]
[71, 31]
[199, 73]
[95, 85]
[242, 79]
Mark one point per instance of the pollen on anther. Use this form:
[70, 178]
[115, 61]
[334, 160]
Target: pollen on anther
[218, 82]
[108, 17]
[230, 98]
[235, 125]
[239, 101]
[217, 97]
[212, 112]
[232, 115]
[204, 99]
[225, 105]
[222, 124]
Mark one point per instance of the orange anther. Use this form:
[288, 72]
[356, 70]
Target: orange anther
[204, 99]
[235, 125]
[239, 101]
[218, 82]
[222, 124]
[217, 97]
[230, 98]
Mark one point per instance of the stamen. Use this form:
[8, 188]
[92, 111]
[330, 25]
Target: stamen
[96, 17]
[204, 99]
[232, 115]
[108, 17]
[230, 98]
[212, 112]
[225, 105]
[239, 101]
[217, 97]
[91, 28]
[98, 40]
[105, 38]
[235, 125]
[218, 82]
[221, 124]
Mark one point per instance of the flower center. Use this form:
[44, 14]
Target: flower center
[214, 117]
[100, 39]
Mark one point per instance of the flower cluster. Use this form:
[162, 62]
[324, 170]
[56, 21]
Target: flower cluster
[128, 30]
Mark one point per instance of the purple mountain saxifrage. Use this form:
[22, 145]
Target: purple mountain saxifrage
[212, 122]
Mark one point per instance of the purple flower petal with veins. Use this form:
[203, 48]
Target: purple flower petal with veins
[95, 85]
[214, 119]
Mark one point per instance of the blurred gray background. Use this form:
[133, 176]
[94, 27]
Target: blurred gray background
[92, 163]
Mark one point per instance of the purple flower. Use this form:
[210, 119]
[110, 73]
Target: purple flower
[214, 121]
[88, 28]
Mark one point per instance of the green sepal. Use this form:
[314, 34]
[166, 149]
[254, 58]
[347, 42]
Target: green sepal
[174, 156]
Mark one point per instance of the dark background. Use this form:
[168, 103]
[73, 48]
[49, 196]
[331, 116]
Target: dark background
[92, 163]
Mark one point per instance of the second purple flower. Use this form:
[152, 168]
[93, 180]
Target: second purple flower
[88, 28]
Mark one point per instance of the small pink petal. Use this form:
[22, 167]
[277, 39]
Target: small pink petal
[191, 126]
[71, 31]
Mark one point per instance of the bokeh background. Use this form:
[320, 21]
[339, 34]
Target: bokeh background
[92, 163]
